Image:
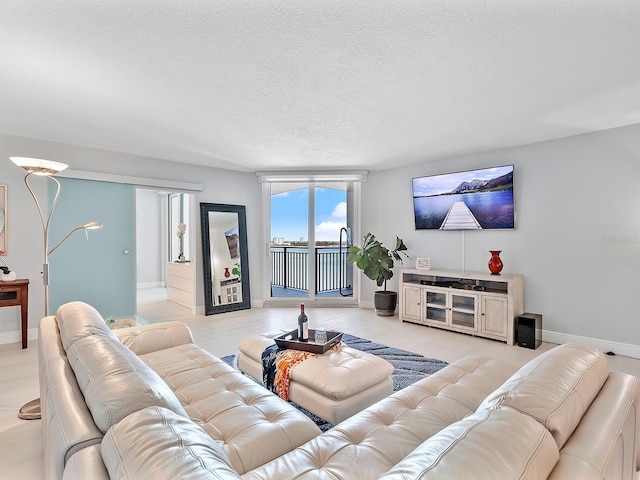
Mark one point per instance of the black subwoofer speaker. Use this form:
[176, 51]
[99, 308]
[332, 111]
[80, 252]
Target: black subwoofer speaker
[530, 330]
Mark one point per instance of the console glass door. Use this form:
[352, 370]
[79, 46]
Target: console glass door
[436, 306]
[464, 310]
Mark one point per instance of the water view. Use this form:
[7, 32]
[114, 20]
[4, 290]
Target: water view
[492, 209]
[289, 268]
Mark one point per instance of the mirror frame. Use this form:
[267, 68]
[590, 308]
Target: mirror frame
[210, 308]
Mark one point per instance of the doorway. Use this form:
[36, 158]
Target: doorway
[165, 268]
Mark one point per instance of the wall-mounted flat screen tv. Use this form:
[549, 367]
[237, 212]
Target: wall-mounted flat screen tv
[471, 200]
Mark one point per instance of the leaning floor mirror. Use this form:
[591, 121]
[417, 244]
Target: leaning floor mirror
[225, 257]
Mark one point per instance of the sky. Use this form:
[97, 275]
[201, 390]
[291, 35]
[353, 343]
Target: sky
[289, 214]
[437, 184]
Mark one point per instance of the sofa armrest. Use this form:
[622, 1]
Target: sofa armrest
[87, 463]
[605, 443]
[67, 424]
[157, 336]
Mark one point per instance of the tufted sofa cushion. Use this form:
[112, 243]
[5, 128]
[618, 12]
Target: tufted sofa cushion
[78, 320]
[154, 337]
[253, 425]
[556, 388]
[156, 443]
[377, 438]
[115, 382]
[502, 444]
[342, 373]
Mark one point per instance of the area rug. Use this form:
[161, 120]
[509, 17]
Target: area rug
[409, 367]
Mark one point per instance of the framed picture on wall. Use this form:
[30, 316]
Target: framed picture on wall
[3, 219]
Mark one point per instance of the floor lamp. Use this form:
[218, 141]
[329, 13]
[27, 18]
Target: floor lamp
[36, 166]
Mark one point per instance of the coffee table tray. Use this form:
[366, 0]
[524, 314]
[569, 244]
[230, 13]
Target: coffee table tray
[290, 340]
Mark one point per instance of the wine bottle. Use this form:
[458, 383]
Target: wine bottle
[303, 325]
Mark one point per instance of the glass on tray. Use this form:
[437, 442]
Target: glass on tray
[320, 335]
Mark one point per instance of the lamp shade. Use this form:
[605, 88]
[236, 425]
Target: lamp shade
[39, 166]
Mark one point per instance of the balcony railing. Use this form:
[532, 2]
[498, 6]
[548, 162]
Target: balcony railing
[289, 268]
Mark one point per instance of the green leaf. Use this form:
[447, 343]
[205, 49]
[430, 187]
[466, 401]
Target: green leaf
[375, 260]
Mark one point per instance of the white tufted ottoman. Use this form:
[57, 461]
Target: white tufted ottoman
[334, 386]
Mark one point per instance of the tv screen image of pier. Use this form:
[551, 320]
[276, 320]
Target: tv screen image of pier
[471, 200]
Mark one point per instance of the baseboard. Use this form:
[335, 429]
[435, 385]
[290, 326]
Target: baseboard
[199, 309]
[16, 336]
[143, 285]
[626, 349]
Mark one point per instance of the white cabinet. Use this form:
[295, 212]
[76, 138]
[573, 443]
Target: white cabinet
[495, 312]
[180, 283]
[476, 303]
[410, 303]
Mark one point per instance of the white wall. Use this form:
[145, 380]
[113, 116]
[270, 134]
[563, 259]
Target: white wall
[577, 240]
[577, 236]
[150, 238]
[25, 231]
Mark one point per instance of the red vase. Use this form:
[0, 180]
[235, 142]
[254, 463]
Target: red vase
[495, 264]
[226, 273]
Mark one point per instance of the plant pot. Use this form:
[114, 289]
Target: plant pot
[8, 277]
[385, 303]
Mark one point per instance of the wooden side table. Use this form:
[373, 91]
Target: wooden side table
[16, 294]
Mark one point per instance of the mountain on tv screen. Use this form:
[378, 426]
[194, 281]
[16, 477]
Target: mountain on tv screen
[470, 200]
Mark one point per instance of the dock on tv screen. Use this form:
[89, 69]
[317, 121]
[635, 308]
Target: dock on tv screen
[471, 200]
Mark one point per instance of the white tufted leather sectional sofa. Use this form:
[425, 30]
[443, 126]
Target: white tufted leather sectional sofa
[152, 405]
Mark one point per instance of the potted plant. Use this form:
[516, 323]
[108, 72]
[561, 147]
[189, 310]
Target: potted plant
[376, 261]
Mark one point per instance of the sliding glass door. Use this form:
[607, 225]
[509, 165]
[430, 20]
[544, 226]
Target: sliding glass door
[310, 230]
[333, 275]
[99, 266]
[289, 250]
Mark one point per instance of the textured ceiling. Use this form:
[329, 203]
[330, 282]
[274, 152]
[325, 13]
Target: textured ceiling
[261, 85]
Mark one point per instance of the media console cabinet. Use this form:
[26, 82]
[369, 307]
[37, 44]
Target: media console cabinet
[475, 303]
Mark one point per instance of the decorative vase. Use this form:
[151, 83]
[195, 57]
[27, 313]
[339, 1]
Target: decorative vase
[8, 277]
[227, 274]
[495, 264]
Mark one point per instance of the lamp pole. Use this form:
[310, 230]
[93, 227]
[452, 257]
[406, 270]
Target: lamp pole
[45, 230]
[35, 166]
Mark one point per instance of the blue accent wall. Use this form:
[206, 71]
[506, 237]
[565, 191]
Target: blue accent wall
[95, 271]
